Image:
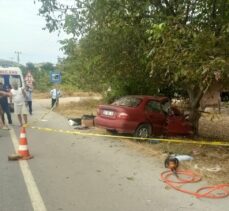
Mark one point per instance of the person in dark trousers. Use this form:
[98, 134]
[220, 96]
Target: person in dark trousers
[28, 98]
[5, 106]
[2, 125]
[55, 94]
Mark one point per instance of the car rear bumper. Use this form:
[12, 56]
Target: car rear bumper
[121, 126]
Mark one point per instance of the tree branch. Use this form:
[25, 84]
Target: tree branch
[187, 12]
[213, 9]
[170, 7]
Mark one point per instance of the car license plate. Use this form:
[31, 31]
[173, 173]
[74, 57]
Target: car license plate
[108, 113]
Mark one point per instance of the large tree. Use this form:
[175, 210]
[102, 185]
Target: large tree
[190, 48]
[138, 46]
[113, 47]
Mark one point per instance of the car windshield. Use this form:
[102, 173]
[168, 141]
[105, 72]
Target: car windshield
[127, 101]
[10, 79]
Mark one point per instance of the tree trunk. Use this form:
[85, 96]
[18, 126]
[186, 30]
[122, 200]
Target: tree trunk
[194, 118]
[195, 95]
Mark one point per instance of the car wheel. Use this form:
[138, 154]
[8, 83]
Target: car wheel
[143, 131]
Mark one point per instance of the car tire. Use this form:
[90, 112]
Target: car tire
[143, 131]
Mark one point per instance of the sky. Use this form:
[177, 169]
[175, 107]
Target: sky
[21, 30]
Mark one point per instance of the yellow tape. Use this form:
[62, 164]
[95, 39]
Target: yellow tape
[183, 141]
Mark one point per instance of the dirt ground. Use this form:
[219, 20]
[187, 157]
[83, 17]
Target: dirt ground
[210, 162]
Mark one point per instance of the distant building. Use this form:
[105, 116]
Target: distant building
[215, 94]
[212, 96]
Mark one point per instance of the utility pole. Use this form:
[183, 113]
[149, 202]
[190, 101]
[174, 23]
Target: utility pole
[18, 56]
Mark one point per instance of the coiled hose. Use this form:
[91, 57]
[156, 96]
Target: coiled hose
[212, 192]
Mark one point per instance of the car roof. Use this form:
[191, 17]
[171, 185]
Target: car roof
[148, 97]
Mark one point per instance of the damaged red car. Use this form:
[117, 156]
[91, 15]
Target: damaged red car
[143, 116]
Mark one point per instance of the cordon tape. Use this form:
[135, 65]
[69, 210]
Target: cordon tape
[183, 141]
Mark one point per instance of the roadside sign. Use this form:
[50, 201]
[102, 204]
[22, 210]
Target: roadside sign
[55, 77]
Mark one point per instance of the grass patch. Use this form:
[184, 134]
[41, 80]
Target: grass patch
[77, 109]
[45, 95]
[40, 95]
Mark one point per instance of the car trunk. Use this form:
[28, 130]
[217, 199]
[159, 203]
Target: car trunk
[115, 112]
[107, 111]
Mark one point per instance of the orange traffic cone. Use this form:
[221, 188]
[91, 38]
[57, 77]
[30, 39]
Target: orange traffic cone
[23, 150]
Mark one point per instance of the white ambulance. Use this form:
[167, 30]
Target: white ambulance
[8, 75]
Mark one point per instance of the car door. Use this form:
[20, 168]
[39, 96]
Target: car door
[155, 116]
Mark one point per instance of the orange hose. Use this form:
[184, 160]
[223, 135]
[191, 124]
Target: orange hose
[212, 192]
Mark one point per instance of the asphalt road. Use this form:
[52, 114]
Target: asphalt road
[79, 173]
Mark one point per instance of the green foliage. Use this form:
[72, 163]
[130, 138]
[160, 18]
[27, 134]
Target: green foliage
[143, 47]
[41, 75]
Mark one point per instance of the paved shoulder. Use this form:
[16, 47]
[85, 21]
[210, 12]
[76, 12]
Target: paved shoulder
[13, 192]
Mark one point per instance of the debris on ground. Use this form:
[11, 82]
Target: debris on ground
[74, 121]
[154, 141]
[81, 127]
[212, 169]
[183, 157]
[14, 157]
[88, 120]
[85, 122]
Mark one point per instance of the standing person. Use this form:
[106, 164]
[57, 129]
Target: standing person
[28, 98]
[5, 106]
[18, 97]
[2, 125]
[55, 94]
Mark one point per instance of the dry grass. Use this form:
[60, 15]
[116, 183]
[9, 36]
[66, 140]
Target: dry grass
[77, 109]
[79, 94]
[45, 95]
[40, 95]
[215, 127]
[205, 157]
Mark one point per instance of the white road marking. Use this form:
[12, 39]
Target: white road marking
[34, 194]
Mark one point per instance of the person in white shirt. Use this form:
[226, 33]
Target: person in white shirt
[18, 97]
[55, 94]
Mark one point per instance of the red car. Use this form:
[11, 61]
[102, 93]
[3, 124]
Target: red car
[143, 116]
